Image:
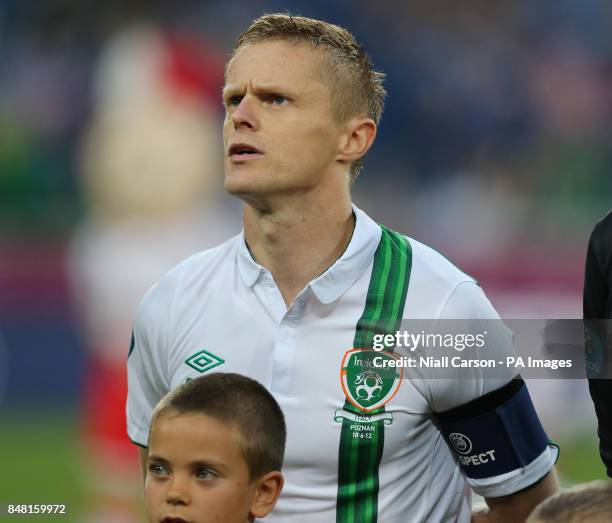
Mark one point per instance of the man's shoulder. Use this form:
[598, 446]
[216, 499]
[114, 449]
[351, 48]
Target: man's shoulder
[196, 269]
[435, 282]
[430, 264]
[206, 260]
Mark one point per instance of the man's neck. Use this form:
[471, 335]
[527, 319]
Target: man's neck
[298, 243]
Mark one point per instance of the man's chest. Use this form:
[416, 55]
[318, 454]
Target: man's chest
[293, 352]
[300, 357]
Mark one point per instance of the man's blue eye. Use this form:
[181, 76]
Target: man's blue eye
[234, 101]
[279, 100]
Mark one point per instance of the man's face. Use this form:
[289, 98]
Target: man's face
[279, 133]
[196, 472]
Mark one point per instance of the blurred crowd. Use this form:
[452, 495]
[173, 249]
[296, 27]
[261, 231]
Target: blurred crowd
[495, 109]
[515, 92]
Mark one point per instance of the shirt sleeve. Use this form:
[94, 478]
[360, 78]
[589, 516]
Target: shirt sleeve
[147, 381]
[469, 303]
[469, 310]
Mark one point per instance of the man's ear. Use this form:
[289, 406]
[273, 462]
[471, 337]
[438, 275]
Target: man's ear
[358, 138]
[267, 491]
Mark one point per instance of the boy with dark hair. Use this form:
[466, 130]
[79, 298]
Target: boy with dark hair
[216, 449]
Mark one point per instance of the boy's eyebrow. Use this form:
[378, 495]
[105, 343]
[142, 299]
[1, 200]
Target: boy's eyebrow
[198, 463]
[159, 459]
[205, 464]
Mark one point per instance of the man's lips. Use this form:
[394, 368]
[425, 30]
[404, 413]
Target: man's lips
[169, 519]
[241, 152]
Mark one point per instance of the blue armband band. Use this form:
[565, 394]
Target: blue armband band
[496, 433]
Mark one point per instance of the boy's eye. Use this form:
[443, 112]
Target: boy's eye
[157, 470]
[205, 474]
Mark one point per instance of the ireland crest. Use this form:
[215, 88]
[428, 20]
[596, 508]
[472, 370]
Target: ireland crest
[368, 381]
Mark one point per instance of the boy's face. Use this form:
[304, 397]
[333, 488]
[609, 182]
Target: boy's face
[196, 472]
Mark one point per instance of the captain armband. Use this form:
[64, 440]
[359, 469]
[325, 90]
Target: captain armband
[495, 434]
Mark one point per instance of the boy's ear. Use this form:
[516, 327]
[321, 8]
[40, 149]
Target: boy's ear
[358, 138]
[267, 490]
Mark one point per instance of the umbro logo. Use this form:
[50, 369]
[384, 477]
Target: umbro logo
[203, 361]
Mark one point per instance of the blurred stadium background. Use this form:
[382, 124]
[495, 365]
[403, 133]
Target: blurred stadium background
[494, 148]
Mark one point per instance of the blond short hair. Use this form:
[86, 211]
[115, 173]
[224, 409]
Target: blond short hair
[356, 88]
[586, 503]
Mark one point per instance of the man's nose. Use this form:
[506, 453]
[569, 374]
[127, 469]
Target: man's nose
[244, 114]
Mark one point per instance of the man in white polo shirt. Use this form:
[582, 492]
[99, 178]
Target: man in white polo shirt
[300, 298]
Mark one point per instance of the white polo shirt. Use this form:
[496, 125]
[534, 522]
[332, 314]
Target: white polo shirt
[221, 310]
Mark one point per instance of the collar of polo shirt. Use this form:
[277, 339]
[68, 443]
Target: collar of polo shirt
[336, 280]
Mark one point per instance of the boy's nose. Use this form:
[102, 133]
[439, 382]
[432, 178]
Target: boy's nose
[178, 492]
